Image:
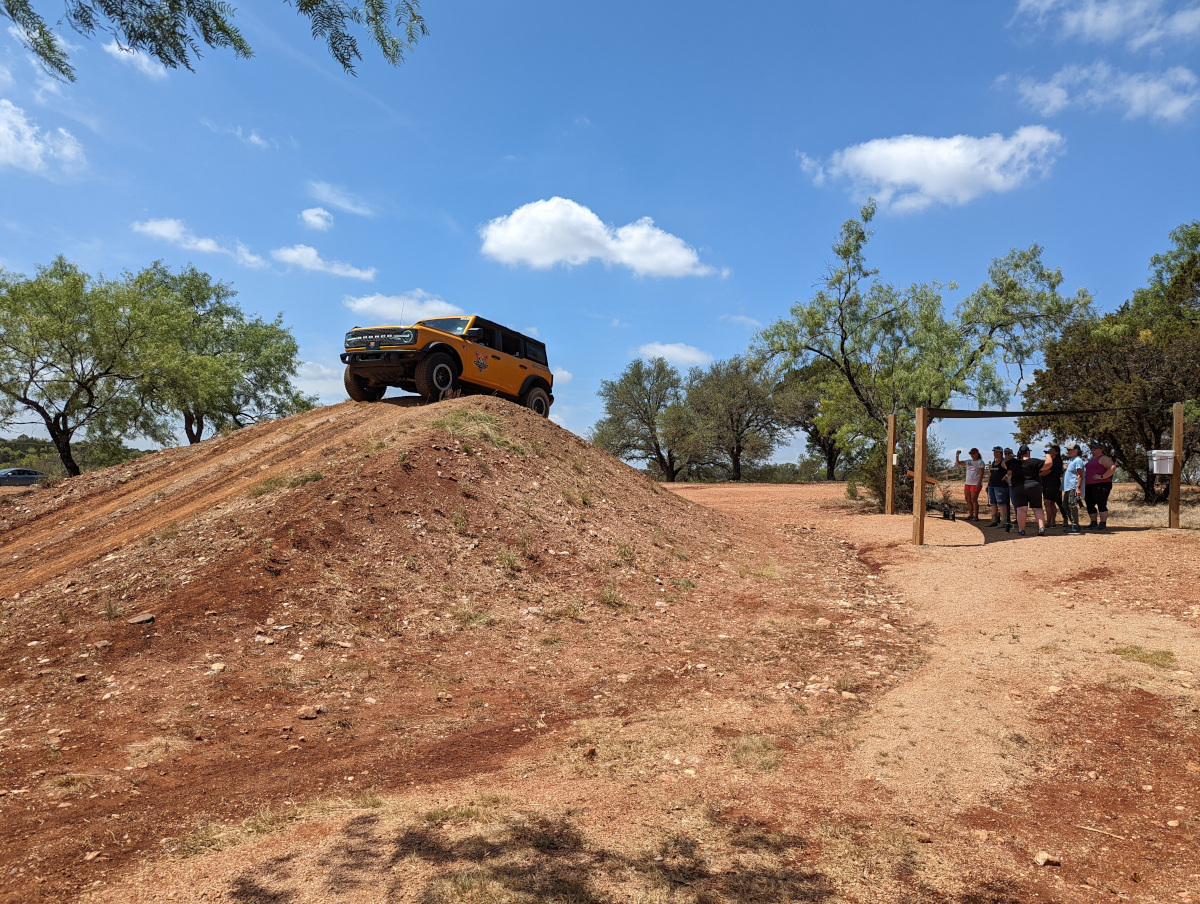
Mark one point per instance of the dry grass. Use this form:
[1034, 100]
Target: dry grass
[1161, 659]
[156, 749]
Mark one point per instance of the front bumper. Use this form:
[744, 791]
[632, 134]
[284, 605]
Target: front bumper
[377, 358]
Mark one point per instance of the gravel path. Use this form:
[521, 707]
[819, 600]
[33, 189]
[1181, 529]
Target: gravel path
[1015, 621]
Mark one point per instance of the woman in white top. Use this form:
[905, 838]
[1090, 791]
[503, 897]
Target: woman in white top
[974, 481]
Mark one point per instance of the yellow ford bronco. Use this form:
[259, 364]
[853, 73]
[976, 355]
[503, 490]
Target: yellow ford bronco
[442, 357]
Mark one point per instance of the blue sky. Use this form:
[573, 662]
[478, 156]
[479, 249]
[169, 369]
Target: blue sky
[622, 177]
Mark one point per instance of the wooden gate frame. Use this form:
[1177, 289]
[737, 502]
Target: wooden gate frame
[926, 415]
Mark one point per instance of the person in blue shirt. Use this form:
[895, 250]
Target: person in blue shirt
[1072, 487]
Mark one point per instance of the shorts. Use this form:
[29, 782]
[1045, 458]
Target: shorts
[1028, 493]
[1050, 495]
[1096, 497]
[998, 496]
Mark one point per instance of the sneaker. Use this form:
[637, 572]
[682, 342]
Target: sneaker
[1021, 533]
[1072, 530]
[1041, 531]
[1007, 526]
[1101, 526]
[1093, 526]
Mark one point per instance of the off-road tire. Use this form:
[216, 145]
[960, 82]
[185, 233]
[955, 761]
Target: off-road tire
[537, 400]
[435, 375]
[359, 390]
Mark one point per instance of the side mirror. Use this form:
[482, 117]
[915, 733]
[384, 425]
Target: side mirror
[476, 333]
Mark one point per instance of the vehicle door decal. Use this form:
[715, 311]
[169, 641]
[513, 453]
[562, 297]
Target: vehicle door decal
[481, 361]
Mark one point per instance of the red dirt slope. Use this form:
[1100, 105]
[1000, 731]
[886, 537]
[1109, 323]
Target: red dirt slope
[448, 585]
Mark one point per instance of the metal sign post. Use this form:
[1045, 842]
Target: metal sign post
[919, 468]
[889, 504]
[1177, 469]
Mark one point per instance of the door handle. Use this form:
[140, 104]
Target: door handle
[497, 357]
[523, 367]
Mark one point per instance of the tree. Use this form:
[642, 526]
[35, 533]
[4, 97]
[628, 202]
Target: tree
[644, 417]
[894, 350]
[802, 396]
[1136, 362]
[229, 370]
[172, 31]
[75, 351]
[735, 417]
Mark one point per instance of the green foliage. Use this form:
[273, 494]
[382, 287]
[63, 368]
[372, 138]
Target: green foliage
[734, 416]
[644, 417]
[75, 353]
[40, 454]
[887, 350]
[1142, 358]
[118, 358]
[229, 370]
[172, 33]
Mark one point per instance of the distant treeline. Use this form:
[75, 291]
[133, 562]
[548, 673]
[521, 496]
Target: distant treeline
[40, 454]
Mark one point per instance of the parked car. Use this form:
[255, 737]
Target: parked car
[19, 477]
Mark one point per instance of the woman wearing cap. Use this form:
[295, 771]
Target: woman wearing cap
[1026, 474]
[1072, 487]
[1052, 469]
[997, 488]
[973, 482]
[1098, 474]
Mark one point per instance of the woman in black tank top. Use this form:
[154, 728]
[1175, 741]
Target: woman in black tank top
[1030, 471]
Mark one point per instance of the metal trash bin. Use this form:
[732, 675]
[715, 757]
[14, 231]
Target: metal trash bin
[1162, 461]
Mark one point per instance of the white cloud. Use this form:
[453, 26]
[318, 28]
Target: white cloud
[618, 324]
[910, 172]
[407, 308]
[176, 232]
[340, 199]
[6, 77]
[741, 319]
[562, 376]
[531, 331]
[1139, 23]
[321, 380]
[1170, 95]
[306, 257]
[560, 231]
[252, 138]
[24, 146]
[676, 353]
[317, 218]
[138, 60]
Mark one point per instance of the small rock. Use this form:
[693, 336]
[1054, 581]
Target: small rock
[91, 855]
[924, 838]
[623, 679]
[981, 834]
[1147, 787]
[144, 619]
[823, 623]
[1053, 690]
[590, 753]
[81, 677]
[370, 701]
[1042, 858]
[444, 697]
[1173, 823]
[1093, 776]
[217, 667]
[847, 695]
[210, 612]
[322, 708]
[306, 712]
[345, 644]
[102, 644]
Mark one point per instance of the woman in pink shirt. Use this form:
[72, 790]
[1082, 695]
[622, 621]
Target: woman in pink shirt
[1098, 476]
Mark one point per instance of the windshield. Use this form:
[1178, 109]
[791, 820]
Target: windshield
[453, 325]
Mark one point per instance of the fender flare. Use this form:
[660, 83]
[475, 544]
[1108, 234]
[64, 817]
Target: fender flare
[448, 349]
[535, 380]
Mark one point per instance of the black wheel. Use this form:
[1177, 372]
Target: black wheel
[537, 400]
[435, 375]
[360, 390]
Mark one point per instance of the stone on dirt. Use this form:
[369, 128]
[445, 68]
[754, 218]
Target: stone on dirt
[306, 712]
[1042, 858]
[144, 619]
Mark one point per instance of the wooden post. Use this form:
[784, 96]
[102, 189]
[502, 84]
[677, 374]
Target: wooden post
[889, 503]
[1177, 465]
[919, 467]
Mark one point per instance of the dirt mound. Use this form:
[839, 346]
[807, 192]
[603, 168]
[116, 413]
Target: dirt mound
[376, 597]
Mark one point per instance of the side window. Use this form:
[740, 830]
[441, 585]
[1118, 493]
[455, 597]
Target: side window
[535, 351]
[512, 344]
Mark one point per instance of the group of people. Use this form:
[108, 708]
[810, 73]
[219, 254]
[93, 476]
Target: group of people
[1049, 486]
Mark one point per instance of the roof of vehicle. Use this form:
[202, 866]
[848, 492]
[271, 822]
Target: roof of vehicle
[425, 320]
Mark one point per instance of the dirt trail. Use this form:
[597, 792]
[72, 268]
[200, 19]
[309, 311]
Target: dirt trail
[1010, 632]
